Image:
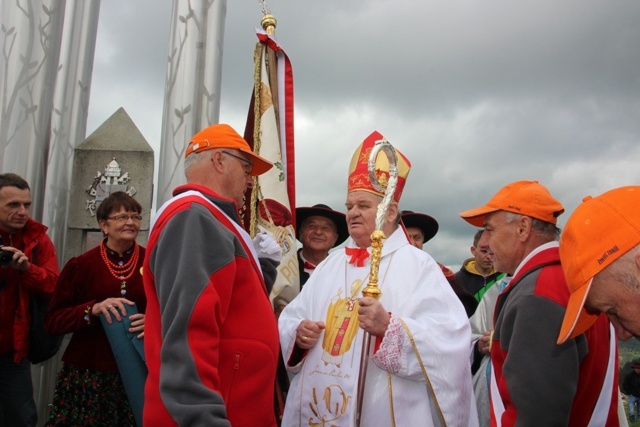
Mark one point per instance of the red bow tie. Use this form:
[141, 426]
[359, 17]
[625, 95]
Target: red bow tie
[358, 256]
[309, 266]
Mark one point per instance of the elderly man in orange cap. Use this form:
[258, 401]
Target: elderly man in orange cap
[418, 373]
[211, 339]
[533, 380]
[600, 253]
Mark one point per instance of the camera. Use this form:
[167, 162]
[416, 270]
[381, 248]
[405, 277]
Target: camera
[5, 256]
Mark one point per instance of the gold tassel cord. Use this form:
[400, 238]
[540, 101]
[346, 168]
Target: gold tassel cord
[268, 23]
[253, 203]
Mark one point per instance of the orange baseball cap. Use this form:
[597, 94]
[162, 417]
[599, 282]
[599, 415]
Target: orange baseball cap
[599, 231]
[223, 136]
[528, 198]
[359, 168]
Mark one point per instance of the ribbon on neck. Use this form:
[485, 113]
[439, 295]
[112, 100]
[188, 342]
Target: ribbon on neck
[309, 266]
[358, 256]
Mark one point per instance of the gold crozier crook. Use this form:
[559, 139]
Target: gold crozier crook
[377, 237]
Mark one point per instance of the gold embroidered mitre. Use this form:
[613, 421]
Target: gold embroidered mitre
[359, 168]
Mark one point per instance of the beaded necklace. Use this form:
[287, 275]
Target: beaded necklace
[121, 272]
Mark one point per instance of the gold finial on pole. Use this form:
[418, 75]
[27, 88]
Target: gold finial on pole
[269, 23]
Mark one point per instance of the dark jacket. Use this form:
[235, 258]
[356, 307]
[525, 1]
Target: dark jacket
[475, 283]
[631, 384]
[468, 301]
[304, 276]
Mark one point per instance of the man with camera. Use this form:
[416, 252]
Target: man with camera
[28, 266]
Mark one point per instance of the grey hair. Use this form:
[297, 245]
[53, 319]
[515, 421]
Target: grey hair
[542, 228]
[623, 270]
[193, 159]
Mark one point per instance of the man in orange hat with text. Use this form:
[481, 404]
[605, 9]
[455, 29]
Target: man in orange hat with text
[600, 253]
[533, 380]
[211, 339]
[418, 373]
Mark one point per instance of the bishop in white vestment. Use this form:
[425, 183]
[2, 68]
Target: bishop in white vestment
[419, 372]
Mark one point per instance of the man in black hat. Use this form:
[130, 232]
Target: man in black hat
[421, 228]
[319, 228]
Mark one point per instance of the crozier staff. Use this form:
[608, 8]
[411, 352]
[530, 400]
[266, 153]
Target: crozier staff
[419, 373]
[372, 290]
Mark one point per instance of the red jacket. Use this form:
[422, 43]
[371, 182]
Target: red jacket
[40, 278]
[538, 381]
[211, 339]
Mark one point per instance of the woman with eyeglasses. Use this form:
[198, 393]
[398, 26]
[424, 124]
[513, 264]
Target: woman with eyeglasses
[104, 281]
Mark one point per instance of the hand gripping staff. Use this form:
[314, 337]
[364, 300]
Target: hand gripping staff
[377, 238]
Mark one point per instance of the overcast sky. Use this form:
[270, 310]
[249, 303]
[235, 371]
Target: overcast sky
[476, 94]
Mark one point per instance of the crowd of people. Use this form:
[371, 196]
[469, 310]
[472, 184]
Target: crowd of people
[380, 334]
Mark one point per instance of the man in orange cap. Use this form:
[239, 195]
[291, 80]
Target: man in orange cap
[419, 371]
[533, 380]
[600, 253]
[211, 339]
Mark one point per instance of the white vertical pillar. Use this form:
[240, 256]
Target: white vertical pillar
[47, 48]
[192, 90]
[70, 110]
[68, 123]
[30, 40]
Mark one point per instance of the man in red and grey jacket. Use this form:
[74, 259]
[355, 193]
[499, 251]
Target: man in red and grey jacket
[535, 381]
[211, 338]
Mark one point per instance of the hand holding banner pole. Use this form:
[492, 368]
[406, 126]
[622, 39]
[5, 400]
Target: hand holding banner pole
[377, 237]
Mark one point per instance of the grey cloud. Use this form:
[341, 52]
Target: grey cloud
[477, 94]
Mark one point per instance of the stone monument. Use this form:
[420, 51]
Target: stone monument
[115, 157]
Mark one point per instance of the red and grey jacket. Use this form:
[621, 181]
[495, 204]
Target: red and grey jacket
[211, 339]
[536, 381]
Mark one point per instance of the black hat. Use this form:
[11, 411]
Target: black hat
[426, 223]
[338, 218]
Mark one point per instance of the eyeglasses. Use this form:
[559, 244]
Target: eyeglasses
[125, 218]
[247, 164]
